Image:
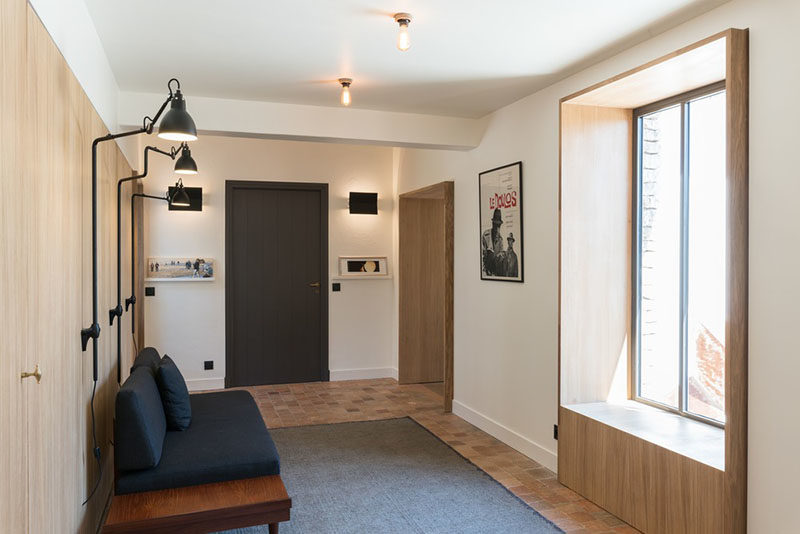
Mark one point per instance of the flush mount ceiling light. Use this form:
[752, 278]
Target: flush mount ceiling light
[185, 163]
[403, 40]
[346, 100]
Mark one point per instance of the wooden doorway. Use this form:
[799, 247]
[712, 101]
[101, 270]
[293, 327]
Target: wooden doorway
[276, 298]
[426, 288]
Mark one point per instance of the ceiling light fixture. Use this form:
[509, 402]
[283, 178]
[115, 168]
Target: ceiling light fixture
[346, 100]
[403, 40]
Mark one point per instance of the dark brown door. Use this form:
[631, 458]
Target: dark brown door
[276, 257]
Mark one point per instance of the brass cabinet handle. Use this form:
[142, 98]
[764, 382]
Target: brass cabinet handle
[313, 284]
[37, 374]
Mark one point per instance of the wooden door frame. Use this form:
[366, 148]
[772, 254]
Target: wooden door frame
[443, 191]
[230, 186]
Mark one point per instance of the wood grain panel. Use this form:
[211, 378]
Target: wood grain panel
[16, 280]
[449, 227]
[202, 508]
[654, 489]
[736, 340]
[595, 223]
[426, 312]
[55, 174]
[422, 291]
[697, 65]
[46, 130]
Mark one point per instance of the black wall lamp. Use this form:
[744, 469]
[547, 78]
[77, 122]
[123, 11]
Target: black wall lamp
[365, 203]
[177, 125]
[180, 197]
[185, 163]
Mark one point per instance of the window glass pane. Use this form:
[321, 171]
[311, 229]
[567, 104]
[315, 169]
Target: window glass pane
[706, 249]
[659, 305]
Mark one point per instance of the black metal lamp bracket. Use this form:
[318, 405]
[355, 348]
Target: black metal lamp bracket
[93, 331]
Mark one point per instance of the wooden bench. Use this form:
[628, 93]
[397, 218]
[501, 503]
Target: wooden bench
[204, 508]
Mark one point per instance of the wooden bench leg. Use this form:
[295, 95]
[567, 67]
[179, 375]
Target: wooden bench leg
[273, 528]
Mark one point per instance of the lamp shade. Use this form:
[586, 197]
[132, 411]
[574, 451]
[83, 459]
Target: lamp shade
[180, 198]
[177, 124]
[186, 163]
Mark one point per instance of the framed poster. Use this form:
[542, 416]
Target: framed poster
[500, 197]
[179, 269]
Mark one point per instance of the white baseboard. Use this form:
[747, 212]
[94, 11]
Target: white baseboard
[531, 449]
[363, 374]
[203, 384]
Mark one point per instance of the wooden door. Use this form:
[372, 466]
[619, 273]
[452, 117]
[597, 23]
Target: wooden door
[276, 283]
[15, 281]
[426, 287]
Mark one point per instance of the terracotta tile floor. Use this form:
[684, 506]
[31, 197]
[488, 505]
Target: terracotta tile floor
[367, 400]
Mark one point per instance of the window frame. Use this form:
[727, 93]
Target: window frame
[683, 101]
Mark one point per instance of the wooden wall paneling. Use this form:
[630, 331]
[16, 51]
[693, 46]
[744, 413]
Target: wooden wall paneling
[56, 196]
[736, 339]
[595, 250]
[421, 321]
[15, 282]
[652, 488]
[55, 244]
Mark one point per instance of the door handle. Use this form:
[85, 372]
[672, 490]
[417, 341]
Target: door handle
[37, 374]
[313, 284]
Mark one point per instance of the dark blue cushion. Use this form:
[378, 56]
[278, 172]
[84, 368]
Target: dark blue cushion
[139, 423]
[174, 395]
[149, 358]
[227, 440]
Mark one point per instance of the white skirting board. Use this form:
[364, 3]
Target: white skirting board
[363, 374]
[205, 384]
[532, 450]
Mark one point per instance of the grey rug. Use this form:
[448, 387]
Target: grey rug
[390, 476]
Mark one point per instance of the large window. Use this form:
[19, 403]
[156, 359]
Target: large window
[679, 259]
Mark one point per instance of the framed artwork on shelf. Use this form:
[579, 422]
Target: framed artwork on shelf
[180, 269]
[502, 247]
[363, 267]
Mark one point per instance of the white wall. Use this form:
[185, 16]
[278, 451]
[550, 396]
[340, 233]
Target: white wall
[506, 334]
[187, 320]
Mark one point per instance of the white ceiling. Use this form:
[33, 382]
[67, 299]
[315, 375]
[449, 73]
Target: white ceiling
[467, 57]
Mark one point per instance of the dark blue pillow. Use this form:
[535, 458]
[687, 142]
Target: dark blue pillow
[139, 423]
[174, 395]
[148, 357]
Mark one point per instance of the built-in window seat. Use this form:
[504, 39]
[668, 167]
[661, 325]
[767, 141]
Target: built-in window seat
[696, 440]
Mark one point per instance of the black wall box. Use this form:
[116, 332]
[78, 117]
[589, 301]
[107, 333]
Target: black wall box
[195, 199]
[366, 203]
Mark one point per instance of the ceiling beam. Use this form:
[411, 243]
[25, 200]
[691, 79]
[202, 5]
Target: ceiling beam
[269, 120]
